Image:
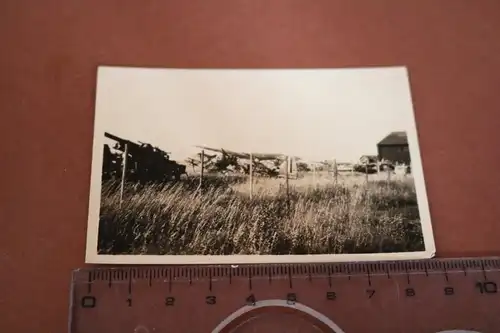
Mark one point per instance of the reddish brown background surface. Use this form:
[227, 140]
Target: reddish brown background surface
[49, 54]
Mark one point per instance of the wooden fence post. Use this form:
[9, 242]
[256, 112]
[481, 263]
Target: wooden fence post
[202, 159]
[251, 175]
[287, 185]
[366, 171]
[314, 174]
[124, 172]
[335, 170]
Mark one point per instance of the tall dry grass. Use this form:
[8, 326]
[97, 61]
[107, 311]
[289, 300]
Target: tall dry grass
[354, 217]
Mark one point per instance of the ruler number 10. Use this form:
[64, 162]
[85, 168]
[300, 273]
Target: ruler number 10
[487, 287]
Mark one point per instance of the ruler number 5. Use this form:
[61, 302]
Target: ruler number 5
[291, 298]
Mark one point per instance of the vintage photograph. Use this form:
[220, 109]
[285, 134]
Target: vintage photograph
[194, 166]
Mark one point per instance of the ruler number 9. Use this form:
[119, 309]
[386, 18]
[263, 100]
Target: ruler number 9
[410, 292]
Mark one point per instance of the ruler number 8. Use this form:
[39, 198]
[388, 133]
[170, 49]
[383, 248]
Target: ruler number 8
[170, 301]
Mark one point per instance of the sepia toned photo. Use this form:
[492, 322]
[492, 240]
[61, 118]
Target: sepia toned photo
[234, 166]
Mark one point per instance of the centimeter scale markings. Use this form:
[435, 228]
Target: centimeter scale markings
[411, 296]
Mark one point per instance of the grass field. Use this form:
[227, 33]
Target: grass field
[350, 216]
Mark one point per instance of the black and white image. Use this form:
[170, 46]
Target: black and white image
[196, 166]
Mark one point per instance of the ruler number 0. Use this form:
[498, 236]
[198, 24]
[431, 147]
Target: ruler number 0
[88, 302]
[487, 287]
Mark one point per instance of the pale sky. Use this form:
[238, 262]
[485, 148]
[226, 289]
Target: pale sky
[315, 114]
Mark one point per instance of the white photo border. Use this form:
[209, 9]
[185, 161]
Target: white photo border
[92, 256]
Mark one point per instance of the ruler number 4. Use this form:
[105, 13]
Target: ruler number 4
[251, 300]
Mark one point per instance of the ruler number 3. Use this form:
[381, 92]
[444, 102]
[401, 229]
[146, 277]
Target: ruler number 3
[210, 300]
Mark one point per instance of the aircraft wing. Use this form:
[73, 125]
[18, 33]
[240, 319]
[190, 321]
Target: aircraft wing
[260, 156]
[268, 157]
[224, 151]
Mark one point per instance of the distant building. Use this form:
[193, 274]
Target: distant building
[368, 159]
[394, 148]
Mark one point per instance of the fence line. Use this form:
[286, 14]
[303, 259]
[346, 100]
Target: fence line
[124, 170]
